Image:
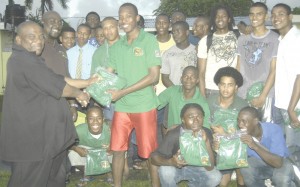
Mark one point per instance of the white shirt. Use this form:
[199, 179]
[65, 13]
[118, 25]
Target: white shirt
[287, 67]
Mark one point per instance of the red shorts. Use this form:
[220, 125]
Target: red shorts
[145, 125]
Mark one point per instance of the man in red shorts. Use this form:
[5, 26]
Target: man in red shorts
[135, 57]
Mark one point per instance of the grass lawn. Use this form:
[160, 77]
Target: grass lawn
[137, 178]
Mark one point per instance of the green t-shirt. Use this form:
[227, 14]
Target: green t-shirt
[100, 57]
[174, 97]
[132, 61]
[86, 139]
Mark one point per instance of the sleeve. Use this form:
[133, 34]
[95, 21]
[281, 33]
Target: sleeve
[202, 48]
[165, 67]
[278, 145]
[166, 148]
[113, 52]
[153, 57]
[164, 97]
[206, 109]
[239, 45]
[95, 62]
[275, 44]
[43, 79]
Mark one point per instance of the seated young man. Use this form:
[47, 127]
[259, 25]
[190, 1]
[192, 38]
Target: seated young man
[267, 151]
[224, 108]
[95, 134]
[177, 96]
[173, 169]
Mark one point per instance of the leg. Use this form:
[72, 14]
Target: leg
[58, 171]
[225, 179]
[283, 176]
[239, 178]
[256, 173]
[169, 176]
[199, 176]
[121, 129]
[30, 173]
[146, 134]
[153, 171]
[117, 167]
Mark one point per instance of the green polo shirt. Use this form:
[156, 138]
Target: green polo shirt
[132, 62]
[174, 97]
[100, 57]
[86, 139]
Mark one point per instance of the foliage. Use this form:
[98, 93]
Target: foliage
[296, 10]
[193, 8]
[46, 4]
[38, 18]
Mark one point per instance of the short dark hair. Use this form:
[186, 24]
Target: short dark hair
[191, 68]
[229, 72]
[252, 111]
[67, 29]
[94, 108]
[183, 24]
[260, 4]
[180, 12]
[92, 12]
[130, 5]
[162, 15]
[84, 25]
[191, 105]
[285, 6]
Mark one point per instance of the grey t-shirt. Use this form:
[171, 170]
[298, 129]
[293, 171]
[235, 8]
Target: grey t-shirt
[256, 54]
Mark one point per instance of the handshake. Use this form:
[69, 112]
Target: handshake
[83, 98]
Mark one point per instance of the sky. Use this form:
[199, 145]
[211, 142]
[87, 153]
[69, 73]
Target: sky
[79, 8]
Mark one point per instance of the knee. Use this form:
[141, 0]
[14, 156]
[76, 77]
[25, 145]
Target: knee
[167, 174]
[118, 154]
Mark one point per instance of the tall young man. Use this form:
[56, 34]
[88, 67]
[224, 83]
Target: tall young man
[135, 57]
[287, 67]
[221, 49]
[257, 59]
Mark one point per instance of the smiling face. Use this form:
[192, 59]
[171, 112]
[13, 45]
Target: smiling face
[99, 36]
[110, 30]
[248, 122]
[128, 19]
[95, 120]
[67, 39]
[189, 78]
[52, 23]
[31, 37]
[193, 119]
[222, 20]
[162, 24]
[257, 16]
[281, 20]
[200, 27]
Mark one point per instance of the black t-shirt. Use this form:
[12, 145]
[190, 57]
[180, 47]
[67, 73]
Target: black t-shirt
[170, 144]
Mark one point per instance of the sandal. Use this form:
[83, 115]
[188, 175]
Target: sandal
[137, 164]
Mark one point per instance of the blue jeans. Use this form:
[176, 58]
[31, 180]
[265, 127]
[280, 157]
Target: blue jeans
[196, 176]
[258, 171]
[109, 111]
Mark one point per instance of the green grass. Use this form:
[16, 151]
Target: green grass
[137, 178]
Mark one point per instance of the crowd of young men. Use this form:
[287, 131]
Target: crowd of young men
[176, 83]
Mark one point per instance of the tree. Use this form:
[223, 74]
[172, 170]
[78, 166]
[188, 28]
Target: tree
[192, 8]
[46, 4]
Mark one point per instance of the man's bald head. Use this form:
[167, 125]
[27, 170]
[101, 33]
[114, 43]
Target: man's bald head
[31, 37]
[52, 23]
